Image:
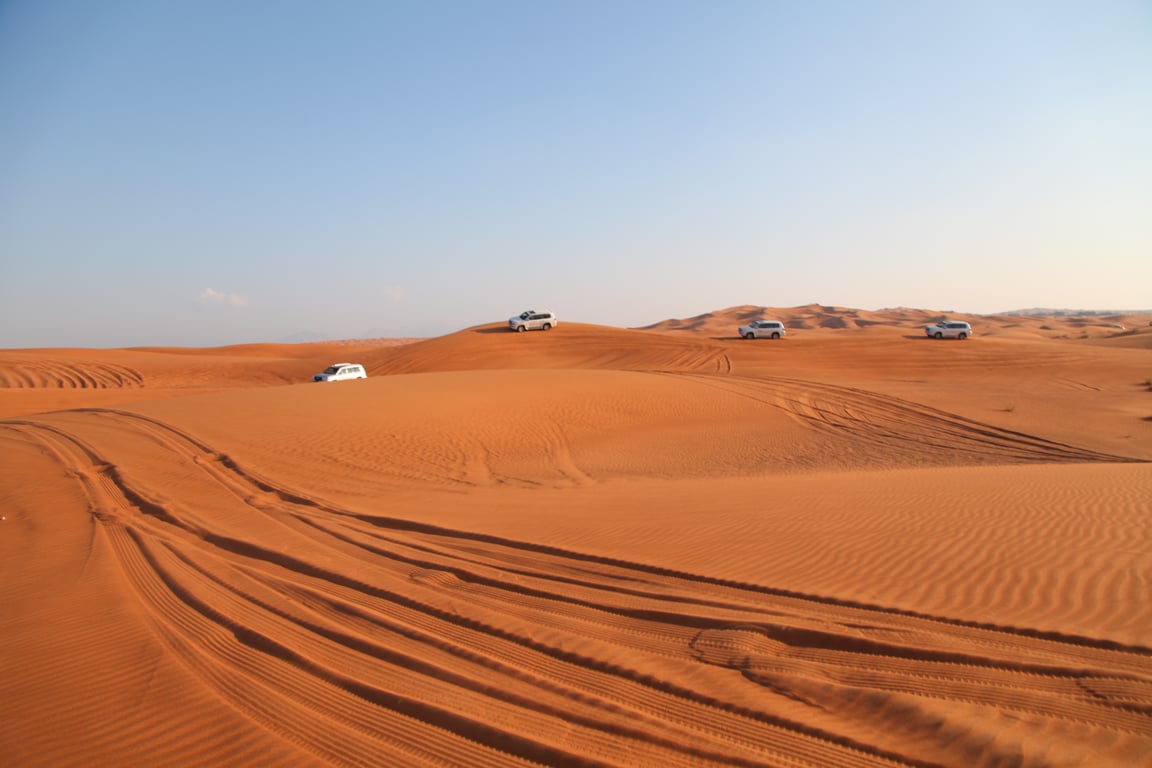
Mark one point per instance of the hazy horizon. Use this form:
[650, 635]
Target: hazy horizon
[208, 174]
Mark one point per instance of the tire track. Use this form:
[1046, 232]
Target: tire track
[900, 426]
[37, 373]
[201, 628]
[359, 634]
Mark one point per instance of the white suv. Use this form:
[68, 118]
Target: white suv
[763, 329]
[947, 329]
[341, 372]
[532, 320]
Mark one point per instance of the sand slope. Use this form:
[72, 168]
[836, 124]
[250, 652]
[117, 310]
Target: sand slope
[592, 546]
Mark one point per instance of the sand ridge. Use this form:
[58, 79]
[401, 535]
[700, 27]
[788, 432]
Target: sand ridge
[591, 546]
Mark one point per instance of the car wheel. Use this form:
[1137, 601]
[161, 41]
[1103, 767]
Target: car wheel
[962, 336]
[547, 326]
[520, 329]
[938, 335]
[775, 336]
[749, 335]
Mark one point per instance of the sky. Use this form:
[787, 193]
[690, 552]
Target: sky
[207, 172]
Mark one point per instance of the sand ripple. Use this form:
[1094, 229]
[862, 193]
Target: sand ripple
[361, 638]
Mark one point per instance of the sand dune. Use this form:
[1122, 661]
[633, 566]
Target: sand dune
[592, 546]
[723, 323]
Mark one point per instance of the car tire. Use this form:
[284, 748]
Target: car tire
[962, 336]
[521, 329]
[938, 335]
[546, 327]
[775, 336]
[749, 335]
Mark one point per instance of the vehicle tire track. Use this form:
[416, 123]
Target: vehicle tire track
[902, 426]
[359, 634]
[35, 373]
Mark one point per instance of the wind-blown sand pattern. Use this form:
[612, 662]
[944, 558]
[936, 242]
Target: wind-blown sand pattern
[592, 546]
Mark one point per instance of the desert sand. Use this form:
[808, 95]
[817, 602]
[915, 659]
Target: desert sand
[592, 546]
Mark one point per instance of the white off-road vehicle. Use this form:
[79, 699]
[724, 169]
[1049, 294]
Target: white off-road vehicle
[948, 329]
[763, 329]
[341, 372]
[532, 320]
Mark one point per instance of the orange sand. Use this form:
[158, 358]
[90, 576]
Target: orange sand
[593, 546]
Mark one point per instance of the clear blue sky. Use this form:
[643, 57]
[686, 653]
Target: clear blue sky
[201, 172]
